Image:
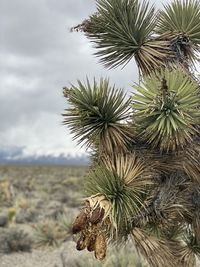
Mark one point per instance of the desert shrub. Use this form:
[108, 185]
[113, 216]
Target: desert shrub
[55, 213]
[23, 202]
[11, 213]
[15, 240]
[124, 257]
[26, 215]
[65, 222]
[47, 233]
[25, 209]
[71, 198]
[118, 257]
[3, 220]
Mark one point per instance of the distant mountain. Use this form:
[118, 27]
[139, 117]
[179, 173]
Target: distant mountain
[15, 155]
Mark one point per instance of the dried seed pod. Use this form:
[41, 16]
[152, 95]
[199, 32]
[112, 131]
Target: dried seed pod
[79, 223]
[82, 242]
[91, 244]
[96, 216]
[100, 247]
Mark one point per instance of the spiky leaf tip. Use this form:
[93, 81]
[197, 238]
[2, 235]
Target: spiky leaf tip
[191, 246]
[118, 29]
[166, 109]
[97, 115]
[156, 251]
[181, 17]
[181, 21]
[124, 180]
[190, 160]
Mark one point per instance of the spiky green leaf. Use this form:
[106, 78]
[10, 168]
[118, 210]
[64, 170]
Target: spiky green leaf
[97, 114]
[124, 180]
[181, 17]
[119, 29]
[166, 109]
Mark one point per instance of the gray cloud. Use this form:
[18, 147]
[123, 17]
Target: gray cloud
[38, 57]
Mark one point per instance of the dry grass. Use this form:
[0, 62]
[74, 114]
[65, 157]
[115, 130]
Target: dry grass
[45, 200]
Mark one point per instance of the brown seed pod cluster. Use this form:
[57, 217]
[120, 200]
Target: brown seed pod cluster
[91, 225]
[96, 215]
[80, 222]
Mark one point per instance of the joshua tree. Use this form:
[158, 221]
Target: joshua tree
[144, 180]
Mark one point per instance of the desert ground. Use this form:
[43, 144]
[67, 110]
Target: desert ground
[37, 207]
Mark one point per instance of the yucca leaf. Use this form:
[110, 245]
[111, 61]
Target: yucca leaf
[190, 248]
[181, 17]
[97, 115]
[156, 251]
[121, 30]
[124, 180]
[168, 118]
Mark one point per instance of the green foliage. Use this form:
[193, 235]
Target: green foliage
[155, 208]
[11, 213]
[97, 113]
[52, 233]
[181, 17]
[124, 29]
[124, 184]
[166, 109]
[65, 221]
[191, 241]
[47, 233]
[123, 26]
[182, 20]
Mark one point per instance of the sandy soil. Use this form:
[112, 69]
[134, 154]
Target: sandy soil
[45, 258]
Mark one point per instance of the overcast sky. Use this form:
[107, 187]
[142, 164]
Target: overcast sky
[38, 57]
